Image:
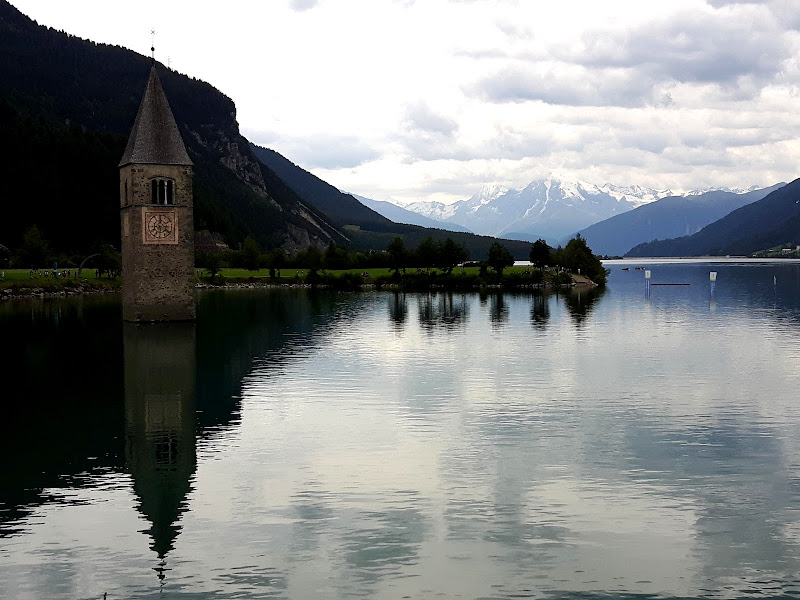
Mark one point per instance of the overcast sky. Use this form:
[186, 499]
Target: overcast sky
[431, 99]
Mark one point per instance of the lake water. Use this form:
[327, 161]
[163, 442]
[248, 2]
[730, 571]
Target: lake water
[626, 443]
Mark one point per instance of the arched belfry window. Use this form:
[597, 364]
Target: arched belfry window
[162, 191]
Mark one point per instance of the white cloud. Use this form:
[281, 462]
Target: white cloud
[430, 100]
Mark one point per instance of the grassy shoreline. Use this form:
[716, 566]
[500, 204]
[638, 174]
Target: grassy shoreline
[18, 283]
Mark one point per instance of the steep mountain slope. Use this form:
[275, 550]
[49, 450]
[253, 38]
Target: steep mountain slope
[669, 217]
[67, 108]
[549, 208]
[342, 209]
[768, 222]
[366, 228]
[399, 214]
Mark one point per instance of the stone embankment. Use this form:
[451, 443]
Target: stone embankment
[582, 281]
[39, 292]
[17, 293]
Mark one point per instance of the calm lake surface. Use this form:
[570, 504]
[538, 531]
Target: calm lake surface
[294, 444]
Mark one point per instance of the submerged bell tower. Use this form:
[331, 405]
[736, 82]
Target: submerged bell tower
[156, 206]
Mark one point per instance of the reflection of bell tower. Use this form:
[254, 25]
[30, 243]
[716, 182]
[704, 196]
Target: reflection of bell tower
[160, 424]
[155, 180]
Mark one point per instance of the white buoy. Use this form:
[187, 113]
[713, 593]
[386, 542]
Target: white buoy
[713, 275]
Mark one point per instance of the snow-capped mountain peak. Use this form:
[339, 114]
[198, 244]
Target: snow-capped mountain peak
[553, 207]
[721, 189]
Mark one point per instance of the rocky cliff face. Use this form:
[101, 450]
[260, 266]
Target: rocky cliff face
[301, 226]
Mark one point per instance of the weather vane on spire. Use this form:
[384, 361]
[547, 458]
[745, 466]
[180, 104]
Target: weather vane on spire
[153, 44]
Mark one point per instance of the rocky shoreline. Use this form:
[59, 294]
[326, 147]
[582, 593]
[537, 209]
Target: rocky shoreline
[22, 293]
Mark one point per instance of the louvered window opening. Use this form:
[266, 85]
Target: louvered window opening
[162, 191]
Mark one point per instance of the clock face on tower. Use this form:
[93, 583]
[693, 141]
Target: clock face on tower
[159, 226]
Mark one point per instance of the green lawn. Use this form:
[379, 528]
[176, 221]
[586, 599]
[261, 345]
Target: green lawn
[290, 274]
[21, 278]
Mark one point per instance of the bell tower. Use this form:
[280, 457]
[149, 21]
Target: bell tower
[156, 206]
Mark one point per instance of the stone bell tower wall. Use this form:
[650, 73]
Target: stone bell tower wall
[157, 244]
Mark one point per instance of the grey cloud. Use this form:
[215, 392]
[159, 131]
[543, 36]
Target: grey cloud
[506, 143]
[319, 151]
[427, 134]
[699, 157]
[719, 3]
[336, 153]
[569, 85]
[691, 47]
[301, 5]
[786, 12]
[486, 53]
[653, 142]
[739, 52]
[517, 31]
[420, 117]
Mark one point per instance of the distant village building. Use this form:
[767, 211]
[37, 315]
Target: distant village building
[156, 206]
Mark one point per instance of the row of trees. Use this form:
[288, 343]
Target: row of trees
[575, 257]
[445, 255]
[36, 252]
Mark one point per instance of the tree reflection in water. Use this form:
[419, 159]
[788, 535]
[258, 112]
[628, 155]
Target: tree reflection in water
[581, 302]
[398, 310]
[540, 310]
[498, 310]
[445, 310]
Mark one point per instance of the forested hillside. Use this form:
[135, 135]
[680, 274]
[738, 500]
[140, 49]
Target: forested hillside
[772, 221]
[67, 106]
[670, 217]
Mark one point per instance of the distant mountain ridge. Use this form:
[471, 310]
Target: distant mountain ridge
[556, 208]
[766, 223]
[550, 208]
[669, 217]
[398, 214]
[365, 227]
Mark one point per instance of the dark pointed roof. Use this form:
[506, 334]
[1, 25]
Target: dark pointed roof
[155, 138]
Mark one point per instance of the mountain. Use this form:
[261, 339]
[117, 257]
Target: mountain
[398, 214]
[772, 221]
[668, 217]
[364, 227]
[450, 213]
[66, 108]
[342, 209]
[549, 208]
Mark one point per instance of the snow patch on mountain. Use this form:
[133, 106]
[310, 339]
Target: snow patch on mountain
[752, 188]
[552, 207]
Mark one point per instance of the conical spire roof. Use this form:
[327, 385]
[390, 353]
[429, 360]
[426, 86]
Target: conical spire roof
[155, 138]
